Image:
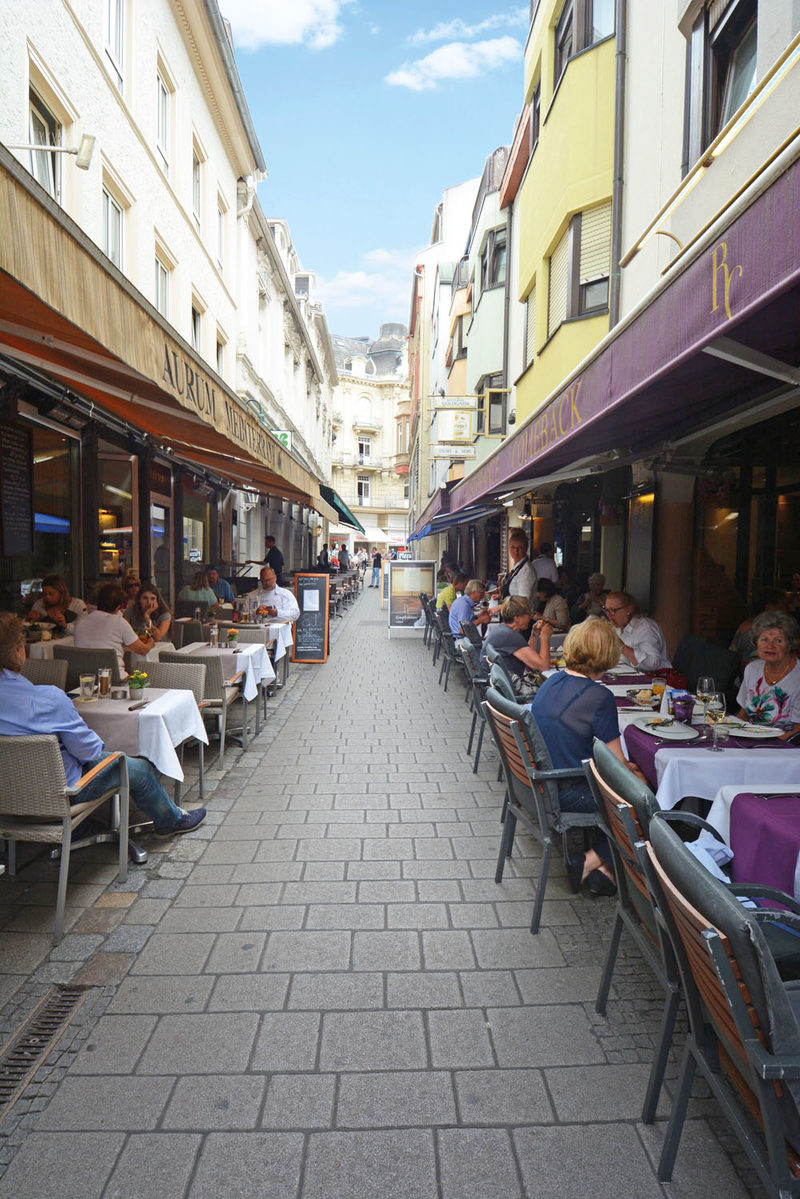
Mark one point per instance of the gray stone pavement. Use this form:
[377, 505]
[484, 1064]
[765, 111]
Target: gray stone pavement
[323, 992]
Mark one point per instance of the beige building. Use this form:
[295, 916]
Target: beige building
[371, 425]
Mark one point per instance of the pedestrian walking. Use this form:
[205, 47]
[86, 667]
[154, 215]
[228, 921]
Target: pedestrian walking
[376, 568]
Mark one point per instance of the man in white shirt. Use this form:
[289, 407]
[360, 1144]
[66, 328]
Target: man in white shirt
[642, 643]
[544, 565]
[278, 601]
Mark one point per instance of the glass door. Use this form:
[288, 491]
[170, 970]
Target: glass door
[161, 547]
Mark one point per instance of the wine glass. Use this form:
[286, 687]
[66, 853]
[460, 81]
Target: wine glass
[705, 687]
[715, 713]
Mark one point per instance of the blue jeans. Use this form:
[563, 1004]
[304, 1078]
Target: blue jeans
[146, 791]
[376, 576]
[577, 797]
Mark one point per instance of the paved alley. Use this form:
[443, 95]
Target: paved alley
[323, 994]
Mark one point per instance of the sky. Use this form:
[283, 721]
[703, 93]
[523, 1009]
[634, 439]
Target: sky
[365, 111]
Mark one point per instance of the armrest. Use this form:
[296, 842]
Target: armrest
[769, 1066]
[93, 773]
[567, 772]
[235, 679]
[691, 819]
[757, 891]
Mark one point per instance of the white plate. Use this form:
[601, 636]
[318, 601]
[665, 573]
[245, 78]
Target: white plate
[752, 732]
[673, 732]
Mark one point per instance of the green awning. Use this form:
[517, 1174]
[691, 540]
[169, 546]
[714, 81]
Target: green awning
[338, 503]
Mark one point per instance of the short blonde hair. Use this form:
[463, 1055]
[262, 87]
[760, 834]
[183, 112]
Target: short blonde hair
[591, 647]
[514, 606]
[519, 536]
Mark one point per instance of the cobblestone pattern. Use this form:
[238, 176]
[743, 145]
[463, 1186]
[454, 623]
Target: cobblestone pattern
[323, 992]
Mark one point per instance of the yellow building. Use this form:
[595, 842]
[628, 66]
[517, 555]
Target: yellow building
[565, 200]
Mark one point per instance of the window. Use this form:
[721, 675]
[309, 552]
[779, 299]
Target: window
[721, 70]
[581, 24]
[162, 287]
[162, 120]
[112, 228]
[405, 489]
[362, 488]
[536, 116]
[45, 130]
[220, 356]
[491, 406]
[364, 450]
[220, 232]
[493, 260]
[197, 328]
[196, 186]
[460, 338]
[530, 328]
[579, 268]
[115, 39]
[564, 40]
[559, 279]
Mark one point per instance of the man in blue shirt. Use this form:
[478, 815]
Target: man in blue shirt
[221, 587]
[465, 607]
[25, 708]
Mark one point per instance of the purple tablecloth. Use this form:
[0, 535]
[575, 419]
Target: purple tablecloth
[765, 839]
[627, 680]
[642, 748]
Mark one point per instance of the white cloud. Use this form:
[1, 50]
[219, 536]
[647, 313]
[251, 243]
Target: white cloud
[457, 60]
[256, 23]
[460, 29]
[382, 286]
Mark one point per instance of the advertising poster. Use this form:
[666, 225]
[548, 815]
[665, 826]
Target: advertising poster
[406, 581]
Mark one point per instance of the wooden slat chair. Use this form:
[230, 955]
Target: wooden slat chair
[46, 671]
[532, 784]
[744, 1021]
[497, 663]
[37, 805]
[86, 661]
[183, 676]
[478, 682]
[470, 632]
[220, 695]
[450, 656]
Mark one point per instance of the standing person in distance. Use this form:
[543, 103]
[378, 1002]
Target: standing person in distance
[376, 568]
[272, 557]
[544, 566]
[344, 558]
[323, 562]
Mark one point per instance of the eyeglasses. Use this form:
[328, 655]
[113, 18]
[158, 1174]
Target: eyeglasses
[131, 586]
[611, 611]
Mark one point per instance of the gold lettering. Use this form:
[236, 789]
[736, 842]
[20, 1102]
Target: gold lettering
[553, 429]
[721, 264]
[166, 375]
[561, 428]
[574, 414]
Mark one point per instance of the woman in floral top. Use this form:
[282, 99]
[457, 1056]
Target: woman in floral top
[770, 691]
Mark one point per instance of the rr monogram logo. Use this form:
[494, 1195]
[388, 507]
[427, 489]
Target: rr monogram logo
[720, 269]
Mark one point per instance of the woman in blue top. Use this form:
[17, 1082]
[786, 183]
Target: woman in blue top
[571, 708]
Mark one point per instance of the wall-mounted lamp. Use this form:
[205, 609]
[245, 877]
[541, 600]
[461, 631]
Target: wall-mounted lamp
[83, 151]
[526, 511]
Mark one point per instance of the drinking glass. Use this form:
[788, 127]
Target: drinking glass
[104, 679]
[705, 687]
[715, 713]
[87, 686]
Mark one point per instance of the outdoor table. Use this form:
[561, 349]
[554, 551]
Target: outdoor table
[676, 769]
[44, 649]
[765, 839]
[139, 661]
[719, 814]
[152, 732]
[279, 631]
[250, 657]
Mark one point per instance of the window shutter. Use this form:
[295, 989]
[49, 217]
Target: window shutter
[530, 327]
[596, 243]
[559, 266]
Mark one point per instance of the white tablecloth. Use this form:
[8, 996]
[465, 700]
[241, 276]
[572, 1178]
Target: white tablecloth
[139, 661]
[279, 631]
[682, 770]
[151, 732]
[250, 657]
[44, 649]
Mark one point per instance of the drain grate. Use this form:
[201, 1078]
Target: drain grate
[24, 1053]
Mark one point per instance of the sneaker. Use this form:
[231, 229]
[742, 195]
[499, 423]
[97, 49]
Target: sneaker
[187, 822]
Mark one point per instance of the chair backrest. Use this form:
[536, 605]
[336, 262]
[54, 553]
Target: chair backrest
[616, 777]
[189, 607]
[497, 660]
[187, 631]
[472, 662]
[469, 630]
[52, 671]
[696, 656]
[729, 976]
[86, 661]
[500, 679]
[523, 751]
[215, 683]
[249, 633]
[180, 676]
[32, 780]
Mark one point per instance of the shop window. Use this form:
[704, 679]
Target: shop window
[112, 228]
[45, 131]
[117, 481]
[721, 70]
[115, 39]
[196, 526]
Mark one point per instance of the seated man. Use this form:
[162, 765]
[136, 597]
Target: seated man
[455, 587]
[465, 607]
[25, 708]
[277, 601]
[641, 640]
[221, 587]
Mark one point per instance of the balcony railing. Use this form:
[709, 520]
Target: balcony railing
[383, 503]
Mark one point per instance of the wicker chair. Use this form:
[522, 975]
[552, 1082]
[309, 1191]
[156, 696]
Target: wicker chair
[220, 695]
[184, 632]
[37, 805]
[87, 661]
[185, 676]
[47, 671]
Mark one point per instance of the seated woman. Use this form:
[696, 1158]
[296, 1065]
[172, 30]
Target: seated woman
[555, 612]
[571, 708]
[106, 628]
[519, 652]
[198, 590]
[148, 613]
[770, 690]
[743, 643]
[56, 604]
[592, 602]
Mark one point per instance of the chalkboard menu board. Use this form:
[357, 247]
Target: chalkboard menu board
[311, 629]
[16, 490]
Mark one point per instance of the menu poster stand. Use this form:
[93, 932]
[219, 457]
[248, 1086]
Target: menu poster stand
[312, 627]
[406, 581]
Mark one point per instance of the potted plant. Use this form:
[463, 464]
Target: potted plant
[233, 636]
[137, 680]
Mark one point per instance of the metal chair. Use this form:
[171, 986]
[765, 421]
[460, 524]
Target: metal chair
[470, 631]
[448, 643]
[426, 636]
[532, 784]
[497, 663]
[183, 676]
[436, 631]
[744, 1031]
[501, 681]
[478, 682]
[37, 805]
[87, 661]
[220, 695]
[47, 671]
